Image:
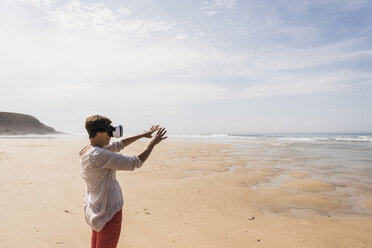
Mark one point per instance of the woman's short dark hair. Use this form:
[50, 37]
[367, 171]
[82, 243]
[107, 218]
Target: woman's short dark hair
[95, 124]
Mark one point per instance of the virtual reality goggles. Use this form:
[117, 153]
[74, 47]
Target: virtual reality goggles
[115, 131]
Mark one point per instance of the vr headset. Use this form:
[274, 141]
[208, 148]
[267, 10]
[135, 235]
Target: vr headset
[115, 131]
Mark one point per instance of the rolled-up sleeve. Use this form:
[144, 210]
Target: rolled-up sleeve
[116, 146]
[115, 161]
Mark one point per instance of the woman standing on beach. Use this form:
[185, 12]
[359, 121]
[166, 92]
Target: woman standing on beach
[104, 200]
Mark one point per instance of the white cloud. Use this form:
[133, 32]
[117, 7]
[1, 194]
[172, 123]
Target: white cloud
[306, 84]
[100, 18]
[124, 11]
[214, 7]
[266, 62]
[39, 3]
[228, 4]
[181, 36]
[211, 12]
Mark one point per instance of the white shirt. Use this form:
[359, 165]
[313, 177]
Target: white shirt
[103, 196]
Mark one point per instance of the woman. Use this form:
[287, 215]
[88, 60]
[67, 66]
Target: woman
[104, 200]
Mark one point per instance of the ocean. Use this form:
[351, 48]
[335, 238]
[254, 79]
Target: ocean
[341, 160]
[333, 154]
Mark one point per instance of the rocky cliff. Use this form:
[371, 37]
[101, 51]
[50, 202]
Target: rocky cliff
[21, 124]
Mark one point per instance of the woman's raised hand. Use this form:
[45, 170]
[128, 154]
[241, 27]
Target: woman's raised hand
[148, 133]
[159, 136]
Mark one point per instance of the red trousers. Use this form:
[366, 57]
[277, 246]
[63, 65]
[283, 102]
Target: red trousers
[108, 237]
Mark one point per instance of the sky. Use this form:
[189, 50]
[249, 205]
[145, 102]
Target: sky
[194, 67]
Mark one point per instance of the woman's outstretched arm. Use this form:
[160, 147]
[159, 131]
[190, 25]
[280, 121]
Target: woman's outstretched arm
[147, 134]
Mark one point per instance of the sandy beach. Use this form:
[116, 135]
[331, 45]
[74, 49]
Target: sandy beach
[186, 195]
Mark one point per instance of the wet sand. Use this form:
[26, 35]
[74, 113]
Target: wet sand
[185, 195]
